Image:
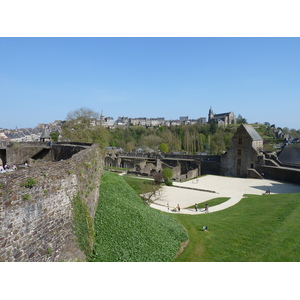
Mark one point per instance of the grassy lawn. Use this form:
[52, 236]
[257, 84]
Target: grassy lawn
[258, 229]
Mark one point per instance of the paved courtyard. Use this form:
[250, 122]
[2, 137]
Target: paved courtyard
[183, 193]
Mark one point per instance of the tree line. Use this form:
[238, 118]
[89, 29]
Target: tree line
[80, 126]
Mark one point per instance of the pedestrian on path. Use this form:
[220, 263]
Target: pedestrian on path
[206, 208]
[168, 205]
[178, 208]
[196, 206]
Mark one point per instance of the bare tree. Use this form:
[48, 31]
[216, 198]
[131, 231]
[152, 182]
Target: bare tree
[158, 177]
[84, 117]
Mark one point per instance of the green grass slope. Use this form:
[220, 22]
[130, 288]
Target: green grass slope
[258, 229]
[126, 229]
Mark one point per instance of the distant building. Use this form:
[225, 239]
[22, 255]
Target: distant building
[122, 121]
[223, 119]
[182, 119]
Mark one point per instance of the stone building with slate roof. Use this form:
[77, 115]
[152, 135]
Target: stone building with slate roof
[245, 153]
[223, 119]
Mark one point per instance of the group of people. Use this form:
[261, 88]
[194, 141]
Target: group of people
[7, 168]
[205, 209]
[177, 208]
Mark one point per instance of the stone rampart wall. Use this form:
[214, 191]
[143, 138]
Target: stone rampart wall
[18, 153]
[281, 174]
[36, 207]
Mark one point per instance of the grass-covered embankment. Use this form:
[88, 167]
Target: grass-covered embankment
[258, 229]
[126, 229]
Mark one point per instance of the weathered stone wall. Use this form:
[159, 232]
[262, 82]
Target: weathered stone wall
[18, 153]
[281, 174]
[37, 222]
[211, 168]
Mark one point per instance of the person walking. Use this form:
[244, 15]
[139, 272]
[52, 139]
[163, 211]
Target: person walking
[196, 206]
[206, 208]
[178, 208]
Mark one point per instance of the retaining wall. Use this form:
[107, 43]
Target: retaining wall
[281, 174]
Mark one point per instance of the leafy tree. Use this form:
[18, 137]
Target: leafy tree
[81, 126]
[213, 127]
[129, 146]
[240, 120]
[54, 135]
[167, 173]
[163, 147]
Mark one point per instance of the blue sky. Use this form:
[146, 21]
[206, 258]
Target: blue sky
[43, 79]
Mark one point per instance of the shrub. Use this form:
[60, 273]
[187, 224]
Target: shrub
[30, 183]
[169, 182]
[167, 173]
[26, 197]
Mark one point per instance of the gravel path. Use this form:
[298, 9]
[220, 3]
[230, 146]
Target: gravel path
[188, 193]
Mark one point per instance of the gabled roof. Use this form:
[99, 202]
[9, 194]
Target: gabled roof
[252, 132]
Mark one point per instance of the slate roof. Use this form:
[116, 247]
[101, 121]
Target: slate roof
[45, 134]
[290, 155]
[252, 132]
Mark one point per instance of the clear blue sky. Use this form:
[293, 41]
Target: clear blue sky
[43, 79]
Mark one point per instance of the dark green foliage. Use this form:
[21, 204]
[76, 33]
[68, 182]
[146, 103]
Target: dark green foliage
[128, 230]
[213, 127]
[169, 182]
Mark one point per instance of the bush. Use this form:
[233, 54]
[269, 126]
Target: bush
[169, 182]
[167, 173]
[30, 183]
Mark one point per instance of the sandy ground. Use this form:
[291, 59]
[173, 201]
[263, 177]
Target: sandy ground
[218, 186]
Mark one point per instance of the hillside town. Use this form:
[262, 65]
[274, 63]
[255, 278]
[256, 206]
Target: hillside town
[221, 119]
[34, 134]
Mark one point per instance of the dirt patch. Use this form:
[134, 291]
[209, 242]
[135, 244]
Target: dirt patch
[182, 246]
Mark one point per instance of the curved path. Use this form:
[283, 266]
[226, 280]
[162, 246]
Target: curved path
[186, 194]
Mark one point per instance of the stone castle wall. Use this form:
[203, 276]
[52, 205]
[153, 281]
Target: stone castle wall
[37, 222]
[281, 173]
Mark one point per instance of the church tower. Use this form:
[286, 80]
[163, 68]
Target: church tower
[211, 115]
